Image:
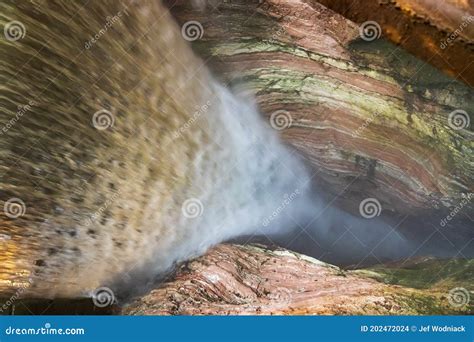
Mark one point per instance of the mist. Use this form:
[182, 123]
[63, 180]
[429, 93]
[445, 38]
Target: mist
[248, 187]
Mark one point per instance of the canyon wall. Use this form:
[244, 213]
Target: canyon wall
[372, 120]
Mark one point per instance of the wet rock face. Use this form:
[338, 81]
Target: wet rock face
[372, 120]
[439, 32]
[242, 280]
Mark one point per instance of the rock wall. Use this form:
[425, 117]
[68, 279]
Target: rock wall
[253, 280]
[371, 119]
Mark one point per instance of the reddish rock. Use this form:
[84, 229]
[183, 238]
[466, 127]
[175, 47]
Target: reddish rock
[439, 32]
[371, 119]
[250, 280]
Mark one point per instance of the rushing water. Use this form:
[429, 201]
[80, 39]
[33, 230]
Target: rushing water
[118, 180]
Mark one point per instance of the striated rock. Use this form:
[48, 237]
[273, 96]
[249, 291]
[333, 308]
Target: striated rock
[447, 16]
[371, 119]
[249, 280]
[360, 124]
[439, 32]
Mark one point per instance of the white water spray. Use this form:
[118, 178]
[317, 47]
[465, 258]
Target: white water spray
[242, 177]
